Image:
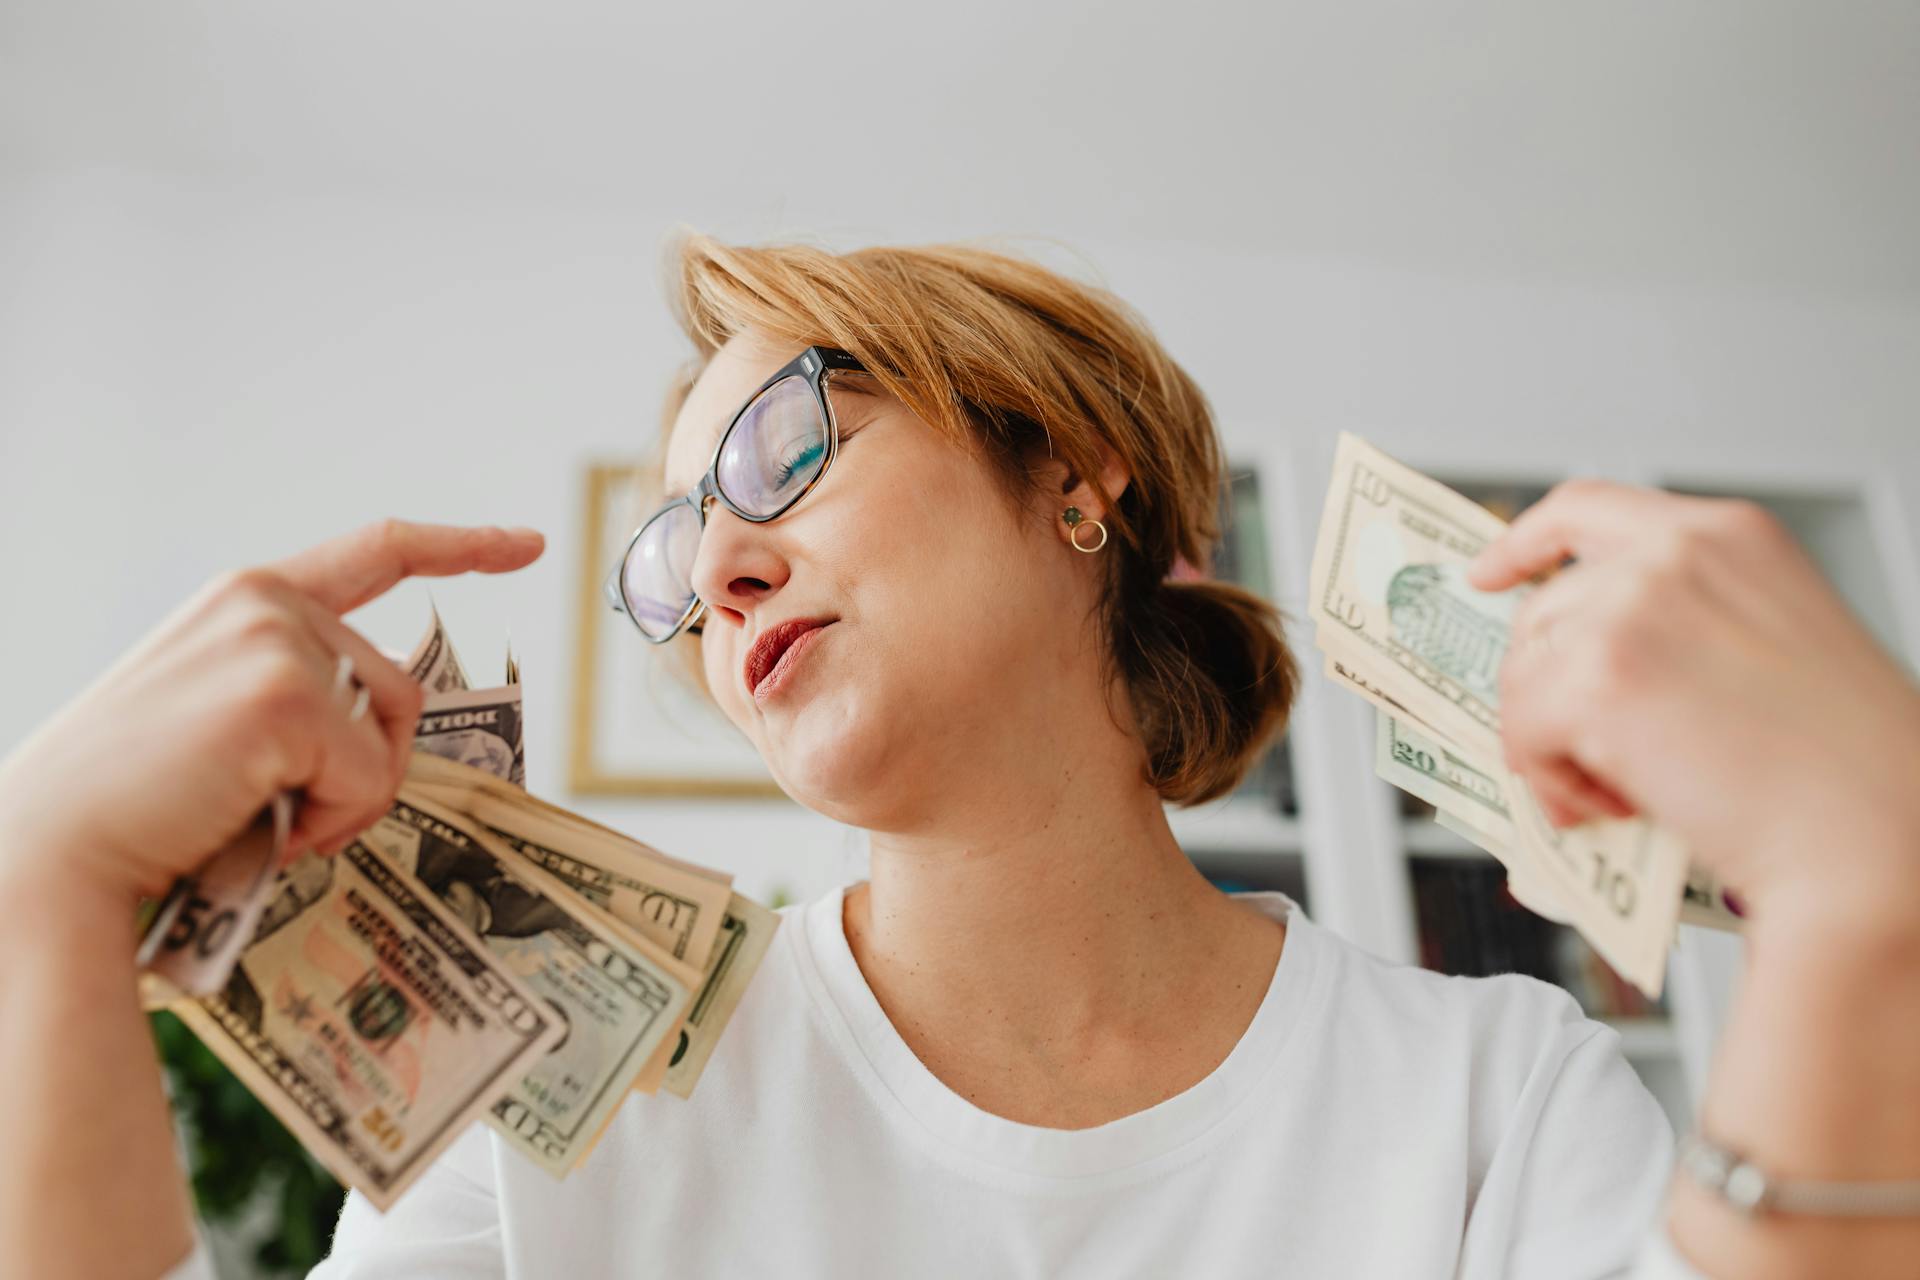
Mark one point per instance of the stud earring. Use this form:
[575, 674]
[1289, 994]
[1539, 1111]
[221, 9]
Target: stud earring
[1076, 521]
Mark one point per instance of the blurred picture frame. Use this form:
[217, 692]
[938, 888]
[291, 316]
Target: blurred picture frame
[640, 725]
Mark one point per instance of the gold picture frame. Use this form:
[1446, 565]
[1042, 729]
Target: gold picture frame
[614, 668]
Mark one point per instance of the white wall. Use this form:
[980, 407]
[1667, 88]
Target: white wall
[267, 274]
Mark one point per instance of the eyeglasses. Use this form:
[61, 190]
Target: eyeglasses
[770, 456]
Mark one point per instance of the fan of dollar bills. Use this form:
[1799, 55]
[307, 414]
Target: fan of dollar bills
[476, 953]
[1398, 625]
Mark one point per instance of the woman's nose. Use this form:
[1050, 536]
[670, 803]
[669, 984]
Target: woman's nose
[737, 567]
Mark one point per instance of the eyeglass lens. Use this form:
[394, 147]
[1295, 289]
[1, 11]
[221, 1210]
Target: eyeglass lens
[774, 451]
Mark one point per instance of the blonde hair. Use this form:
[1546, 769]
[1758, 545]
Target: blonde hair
[997, 351]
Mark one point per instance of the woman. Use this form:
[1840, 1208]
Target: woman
[1035, 1042]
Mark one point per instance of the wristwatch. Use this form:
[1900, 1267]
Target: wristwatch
[1749, 1189]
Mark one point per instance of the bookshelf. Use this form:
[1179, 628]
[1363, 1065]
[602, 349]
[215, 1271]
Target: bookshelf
[1251, 839]
[1368, 862]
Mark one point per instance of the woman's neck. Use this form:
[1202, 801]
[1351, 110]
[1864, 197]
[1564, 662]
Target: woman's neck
[1056, 927]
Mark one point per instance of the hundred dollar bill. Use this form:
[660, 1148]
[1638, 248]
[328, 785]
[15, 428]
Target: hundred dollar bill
[680, 913]
[477, 727]
[746, 927]
[451, 776]
[617, 1004]
[434, 666]
[745, 934]
[665, 902]
[370, 1021]
[664, 895]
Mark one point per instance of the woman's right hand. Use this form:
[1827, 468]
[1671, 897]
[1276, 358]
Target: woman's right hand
[176, 749]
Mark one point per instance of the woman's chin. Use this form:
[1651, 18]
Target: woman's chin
[848, 776]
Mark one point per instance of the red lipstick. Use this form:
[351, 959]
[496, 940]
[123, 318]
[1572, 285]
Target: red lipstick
[775, 652]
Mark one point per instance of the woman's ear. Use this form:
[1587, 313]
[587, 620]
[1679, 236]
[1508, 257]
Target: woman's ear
[1093, 496]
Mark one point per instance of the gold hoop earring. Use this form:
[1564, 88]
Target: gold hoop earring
[1076, 521]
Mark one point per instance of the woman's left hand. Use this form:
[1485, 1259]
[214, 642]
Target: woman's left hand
[1694, 665]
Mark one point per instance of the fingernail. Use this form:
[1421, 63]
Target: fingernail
[522, 531]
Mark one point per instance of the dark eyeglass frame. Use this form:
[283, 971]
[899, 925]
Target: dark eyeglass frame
[813, 364]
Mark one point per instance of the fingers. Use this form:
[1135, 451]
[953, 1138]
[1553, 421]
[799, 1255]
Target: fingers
[348, 783]
[1569, 796]
[347, 770]
[1585, 518]
[1534, 709]
[344, 573]
[396, 697]
[1550, 694]
[293, 731]
[352, 768]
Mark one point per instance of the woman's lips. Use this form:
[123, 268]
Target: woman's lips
[774, 654]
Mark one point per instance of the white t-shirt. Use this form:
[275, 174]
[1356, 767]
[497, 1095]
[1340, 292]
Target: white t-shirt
[1374, 1120]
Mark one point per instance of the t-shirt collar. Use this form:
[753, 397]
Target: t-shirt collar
[1001, 1149]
